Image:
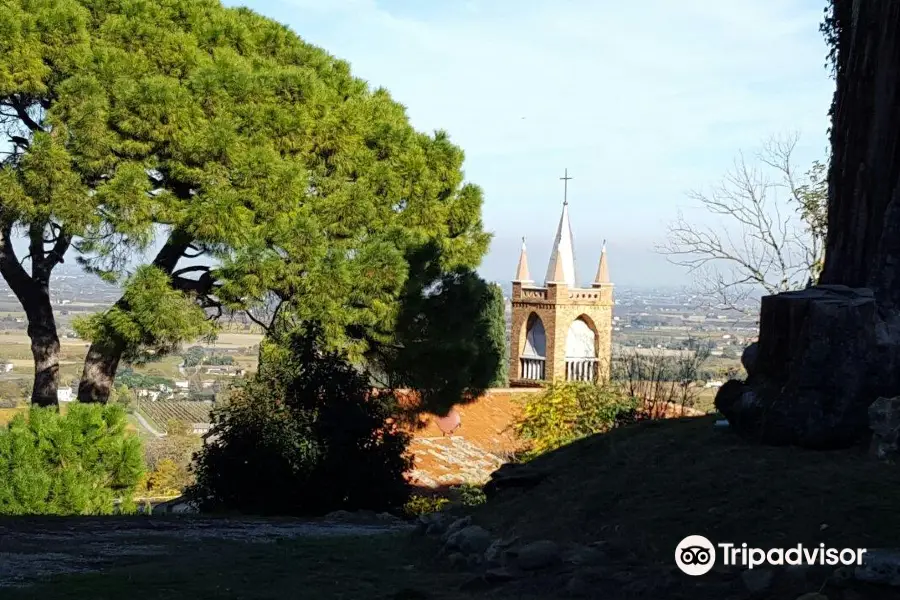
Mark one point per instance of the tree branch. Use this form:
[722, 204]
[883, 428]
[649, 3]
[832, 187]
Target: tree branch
[22, 113]
[769, 249]
[191, 269]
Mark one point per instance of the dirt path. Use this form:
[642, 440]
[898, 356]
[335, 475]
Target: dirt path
[33, 548]
[146, 425]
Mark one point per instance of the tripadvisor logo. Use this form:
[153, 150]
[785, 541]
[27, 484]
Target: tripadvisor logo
[696, 555]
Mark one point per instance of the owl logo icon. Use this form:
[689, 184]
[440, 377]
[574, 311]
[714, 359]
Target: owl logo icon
[695, 555]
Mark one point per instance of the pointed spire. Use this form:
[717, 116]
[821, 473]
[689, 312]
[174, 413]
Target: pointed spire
[602, 277]
[522, 275]
[562, 260]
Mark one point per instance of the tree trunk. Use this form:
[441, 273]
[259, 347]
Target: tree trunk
[827, 352]
[103, 356]
[99, 372]
[33, 292]
[44, 348]
[863, 243]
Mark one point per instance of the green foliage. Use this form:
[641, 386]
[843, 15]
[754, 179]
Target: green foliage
[830, 29]
[123, 396]
[495, 314]
[157, 318]
[195, 355]
[441, 344]
[76, 464]
[133, 380]
[178, 446]
[812, 196]
[423, 505]
[223, 135]
[305, 436]
[469, 495]
[569, 411]
[168, 478]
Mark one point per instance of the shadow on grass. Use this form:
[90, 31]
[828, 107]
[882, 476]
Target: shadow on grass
[351, 567]
[647, 486]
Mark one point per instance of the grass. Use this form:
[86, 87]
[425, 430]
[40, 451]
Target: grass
[646, 487]
[7, 414]
[365, 567]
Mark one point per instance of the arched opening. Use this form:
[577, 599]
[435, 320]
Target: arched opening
[533, 357]
[581, 351]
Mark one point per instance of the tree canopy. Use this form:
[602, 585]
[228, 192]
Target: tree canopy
[258, 168]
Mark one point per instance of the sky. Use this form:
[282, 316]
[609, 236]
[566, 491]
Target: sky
[641, 101]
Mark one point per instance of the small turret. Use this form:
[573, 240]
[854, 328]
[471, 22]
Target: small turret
[602, 277]
[522, 275]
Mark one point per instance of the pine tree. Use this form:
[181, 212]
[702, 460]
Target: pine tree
[289, 183]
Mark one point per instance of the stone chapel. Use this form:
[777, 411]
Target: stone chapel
[560, 330]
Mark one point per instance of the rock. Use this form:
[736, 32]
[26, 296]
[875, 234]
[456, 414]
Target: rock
[455, 526]
[842, 576]
[884, 421]
[473, 561]
[432, 524]
[469, 540]
[182, 508]
[500, 575]
[179, 505]
[823, 355]
[339, 515]
[757, 581]
[512, 475]
[880, 566]
[812, 596]
[457, 560]
[748, 358]
[538, 555]
[386, 517]
[494, 553]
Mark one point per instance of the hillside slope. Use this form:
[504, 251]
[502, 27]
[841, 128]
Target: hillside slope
[646, 487]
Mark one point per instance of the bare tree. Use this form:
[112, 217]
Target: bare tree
[771, 235]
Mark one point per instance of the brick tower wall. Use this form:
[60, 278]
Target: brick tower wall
[558, 306]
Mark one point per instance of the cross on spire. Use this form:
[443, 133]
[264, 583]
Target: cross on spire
[565, 179]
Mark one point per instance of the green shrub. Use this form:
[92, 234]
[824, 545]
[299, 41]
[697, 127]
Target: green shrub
[76, 464]
[423, 505]
[470, 495]
[565, 412]
[303, 437]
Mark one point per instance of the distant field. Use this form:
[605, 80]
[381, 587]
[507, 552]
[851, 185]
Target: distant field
[231, 339]
[161, 412]
[234, 339]
[15, 348]
[7, 414]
